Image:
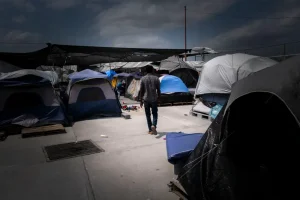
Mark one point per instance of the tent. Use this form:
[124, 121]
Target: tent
[173, 90]
[28, 99]
[90, 94]
[181, 69]
[250, 151]
[219, 74]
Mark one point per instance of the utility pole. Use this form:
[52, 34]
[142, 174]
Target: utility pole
[185, 31]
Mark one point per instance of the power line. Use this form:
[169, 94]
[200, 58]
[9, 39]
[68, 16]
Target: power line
[251, 17]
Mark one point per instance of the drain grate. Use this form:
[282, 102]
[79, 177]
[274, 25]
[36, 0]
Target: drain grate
[70, 150]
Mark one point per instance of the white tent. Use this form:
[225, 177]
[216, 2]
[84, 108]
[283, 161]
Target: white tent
[219, 74]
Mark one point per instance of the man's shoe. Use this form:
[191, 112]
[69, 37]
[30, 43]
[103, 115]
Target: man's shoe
[150, 133]
[154, 132]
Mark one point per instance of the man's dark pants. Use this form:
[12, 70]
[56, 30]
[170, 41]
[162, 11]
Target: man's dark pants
[151, 106]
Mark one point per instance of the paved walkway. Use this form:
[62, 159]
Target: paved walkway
[133, 166]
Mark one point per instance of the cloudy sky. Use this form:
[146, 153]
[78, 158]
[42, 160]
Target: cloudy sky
[219, 24]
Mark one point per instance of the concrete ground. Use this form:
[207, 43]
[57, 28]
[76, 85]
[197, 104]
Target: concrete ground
[133, 166]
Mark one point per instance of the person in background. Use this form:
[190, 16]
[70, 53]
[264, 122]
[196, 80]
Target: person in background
[149, 95]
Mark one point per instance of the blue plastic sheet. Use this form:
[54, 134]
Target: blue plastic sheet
[215, 111]
[180, 145]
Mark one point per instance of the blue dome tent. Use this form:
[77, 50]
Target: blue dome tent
[173, 90]
[91, 95]
[171, 84]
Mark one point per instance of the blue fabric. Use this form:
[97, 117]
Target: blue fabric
[107, 108]
[110, 74]
[153, 107]
[170, 84]
[86, 74]
[217, 98]
[45, 115]
[180, 145]
[215, 111]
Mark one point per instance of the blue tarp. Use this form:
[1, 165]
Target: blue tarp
[105, 108]
[86, 74]
[172, 84]
[180, 145]
[215, 111]
[110, 74]
[35, 116]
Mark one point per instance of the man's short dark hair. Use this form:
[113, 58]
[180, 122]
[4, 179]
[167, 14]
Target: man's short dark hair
[149, 69]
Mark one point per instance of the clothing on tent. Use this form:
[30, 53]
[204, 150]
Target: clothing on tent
[110, 74]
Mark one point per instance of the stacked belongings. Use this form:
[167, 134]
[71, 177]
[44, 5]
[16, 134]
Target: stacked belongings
[91, 95]
[133, 86]
[28, 99]
[220, 73]
[120, 82]
[250, 151]
[173, 90]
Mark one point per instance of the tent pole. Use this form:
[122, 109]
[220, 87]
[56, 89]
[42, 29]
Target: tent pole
[185, 31]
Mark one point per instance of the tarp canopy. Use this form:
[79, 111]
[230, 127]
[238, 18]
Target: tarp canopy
[86, 74]
[19, 77]
[199, 51]
[59, 55]
[250, 149]
[219, 74]
[88, 55]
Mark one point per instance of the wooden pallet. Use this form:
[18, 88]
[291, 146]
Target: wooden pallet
[201, 115]
[175, 104]
[183, 103]
[43, 130]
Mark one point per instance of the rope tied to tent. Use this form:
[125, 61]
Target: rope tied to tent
[202, 157]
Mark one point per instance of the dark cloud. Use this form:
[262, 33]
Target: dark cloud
[129, 19]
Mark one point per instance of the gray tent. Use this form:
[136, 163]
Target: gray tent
[250, 151]
[181, 69]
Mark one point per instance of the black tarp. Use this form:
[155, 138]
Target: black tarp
[59, 55]
[251, 150]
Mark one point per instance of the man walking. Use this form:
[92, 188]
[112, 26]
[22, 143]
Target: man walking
[149, 94]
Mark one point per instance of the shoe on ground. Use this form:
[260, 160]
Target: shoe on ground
[150, 133]
[154, 132]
